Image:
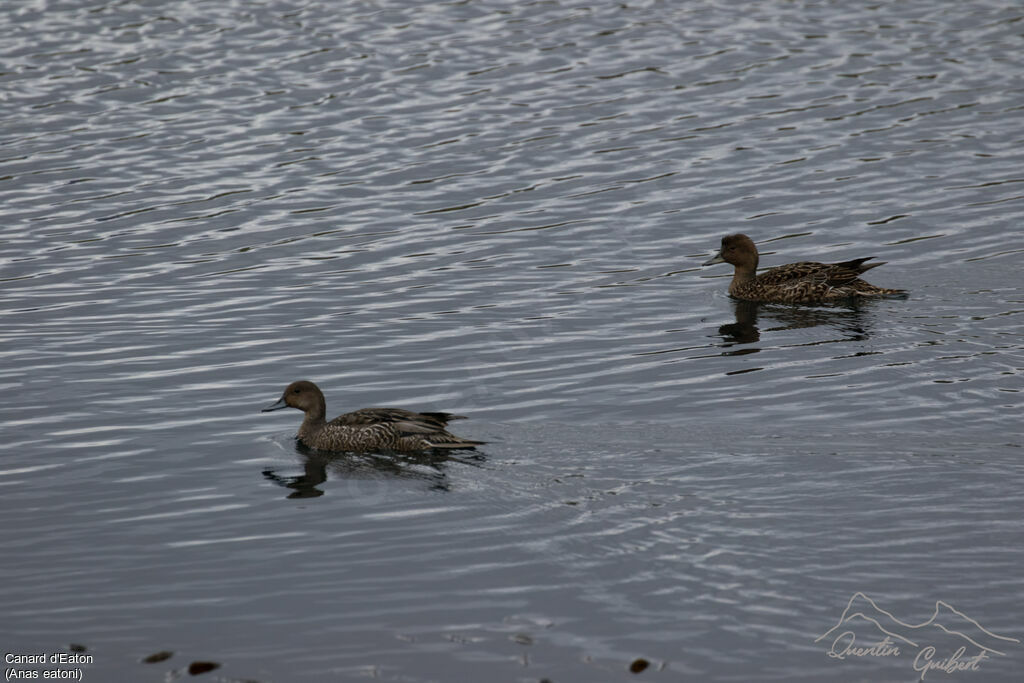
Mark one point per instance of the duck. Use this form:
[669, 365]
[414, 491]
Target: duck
[804, 282]
[368, 429]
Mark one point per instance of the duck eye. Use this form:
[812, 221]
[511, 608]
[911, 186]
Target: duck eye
[296, 391]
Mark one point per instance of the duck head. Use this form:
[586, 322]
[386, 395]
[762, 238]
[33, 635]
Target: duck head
[738, 249]
[303, 395]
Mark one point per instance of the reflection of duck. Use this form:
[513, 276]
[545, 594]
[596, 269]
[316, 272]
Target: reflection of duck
[369, 429]
[795, 283]
[430, 469]
[744, 330]
[848, 319]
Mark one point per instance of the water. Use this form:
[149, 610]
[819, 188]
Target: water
[500, 209]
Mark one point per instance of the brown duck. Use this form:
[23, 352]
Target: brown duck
[369, 429]
[805, 282]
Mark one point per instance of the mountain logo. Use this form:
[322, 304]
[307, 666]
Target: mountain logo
[947, 630]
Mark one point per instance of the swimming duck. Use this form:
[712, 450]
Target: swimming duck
[369, 429]
[804, 282]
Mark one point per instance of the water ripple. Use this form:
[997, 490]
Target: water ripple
[501, 210]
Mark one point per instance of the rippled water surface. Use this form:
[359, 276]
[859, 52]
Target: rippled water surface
[501, 209]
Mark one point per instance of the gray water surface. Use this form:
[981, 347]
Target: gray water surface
[500, 209]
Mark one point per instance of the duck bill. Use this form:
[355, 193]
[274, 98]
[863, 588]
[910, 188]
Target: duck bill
[717, 258]
[276, 406]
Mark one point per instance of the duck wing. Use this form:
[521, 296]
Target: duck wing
[792, 272]
[403, 420]
[818, 274]
[414, 431]
[843, 273]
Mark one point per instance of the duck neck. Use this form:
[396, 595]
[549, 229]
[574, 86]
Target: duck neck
[314, 419]
[744, 273]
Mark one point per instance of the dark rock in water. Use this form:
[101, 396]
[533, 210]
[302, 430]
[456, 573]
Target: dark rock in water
[158, 657]
[638, 665]
[196, 668]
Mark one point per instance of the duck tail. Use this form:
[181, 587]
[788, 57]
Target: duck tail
[859, 266]
[455, 445]
[444, 418]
